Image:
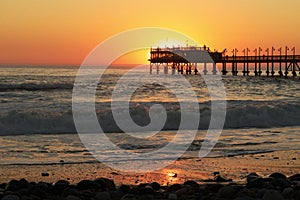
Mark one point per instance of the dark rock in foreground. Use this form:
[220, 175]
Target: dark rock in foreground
[275, 187]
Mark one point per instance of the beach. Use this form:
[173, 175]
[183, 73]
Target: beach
[235, 168]
[259, 176]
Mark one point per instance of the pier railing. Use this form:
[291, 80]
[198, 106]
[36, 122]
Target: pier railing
[275, 58]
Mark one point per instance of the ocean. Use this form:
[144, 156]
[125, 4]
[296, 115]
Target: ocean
[37, 126]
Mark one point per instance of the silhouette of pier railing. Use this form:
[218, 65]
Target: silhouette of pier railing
[187, 58]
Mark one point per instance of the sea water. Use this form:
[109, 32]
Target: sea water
[37, 126]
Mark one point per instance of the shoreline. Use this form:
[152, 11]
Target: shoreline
[197, 169]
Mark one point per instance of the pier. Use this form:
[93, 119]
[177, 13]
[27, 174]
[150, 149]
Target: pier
[189, 59]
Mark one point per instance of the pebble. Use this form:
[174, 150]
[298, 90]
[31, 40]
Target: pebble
[102, 196]
[45, 174]
[227, 191]
[272, 195]
[172, 196]
[11, 197]
[275, 187]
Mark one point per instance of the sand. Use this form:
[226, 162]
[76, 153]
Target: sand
[235, 168]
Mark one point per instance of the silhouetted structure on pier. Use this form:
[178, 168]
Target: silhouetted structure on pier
[187, 58]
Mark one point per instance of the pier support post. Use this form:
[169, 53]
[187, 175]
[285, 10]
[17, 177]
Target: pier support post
[157, 68]
[280, 70]
[244, 69]
[195, 69]
[173, 68]
[268, 72]
[150, 68]
[205, 69]
[272, 72]
[224, 71]
[259, 69]
[247, 72]
[214, 71]
[286, 70]
[255, 69]
[166, 69]
[233, 69]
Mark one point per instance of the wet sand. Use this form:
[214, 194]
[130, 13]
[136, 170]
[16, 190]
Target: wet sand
[235, 168]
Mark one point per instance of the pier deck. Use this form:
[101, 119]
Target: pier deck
[187, 58]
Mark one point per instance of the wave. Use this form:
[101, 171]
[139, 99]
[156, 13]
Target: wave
[36, 87]
[240, 114]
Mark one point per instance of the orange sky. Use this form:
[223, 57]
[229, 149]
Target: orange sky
[65, 31]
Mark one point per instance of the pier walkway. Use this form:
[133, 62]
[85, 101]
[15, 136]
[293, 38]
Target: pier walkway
[188, 59]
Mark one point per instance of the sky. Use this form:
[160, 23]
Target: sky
[65, 31]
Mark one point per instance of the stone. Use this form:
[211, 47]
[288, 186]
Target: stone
[227, 192]
[70, 191]
[102, 196]
[72, 197]
[191, 183]
[155, 186]
[172, 196]
[256, 182]
[88, 185]
[287, 193]
[244, 198]
[281, 183]
[11, 197]
[272, 195]
[45, 174]
[128, 197]
[174, 187]
[124, 189]
[277, 175]
[295, 177]
[106, 183]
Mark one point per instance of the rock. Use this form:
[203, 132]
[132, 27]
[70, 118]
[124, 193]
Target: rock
[102, 196]
[213, 188]
[256, 182]
[115, 195]
[281, 183]
[277, 175]
[11, 197]
[172, 196]
[124, 189]
[72, 197]
[70, 191]
[146, 191]
[88, 185]
[295, 177]
[38, 192]
[128, 197]
[252, 176]
[245, 192]
[13, 185]
[227, 192]
[155, 186]
[174, 187]
[191, 183]
[62, 182]
[45, 174]
[287, 193]
[296, 195]
[272, 195]
[244, 198]
[220, 179]
[42, 185]
[106, 183]
[182, 191]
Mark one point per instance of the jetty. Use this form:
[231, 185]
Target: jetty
[191, 59]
